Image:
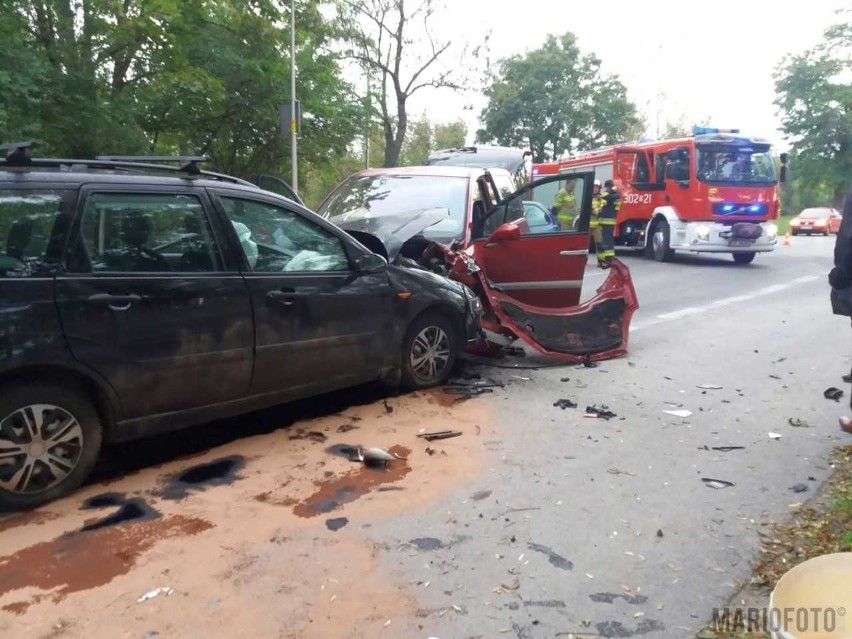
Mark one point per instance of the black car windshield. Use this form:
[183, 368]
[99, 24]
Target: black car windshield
[375, 196]
[721, 164]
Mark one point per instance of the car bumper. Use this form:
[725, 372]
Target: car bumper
[713, 237]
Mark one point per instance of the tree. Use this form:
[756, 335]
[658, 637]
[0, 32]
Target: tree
[815, 101]
[555, 99]
[393, 41]
[423, 137]
[173, 76]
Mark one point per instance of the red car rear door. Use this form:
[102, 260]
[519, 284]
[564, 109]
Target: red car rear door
[543, 269]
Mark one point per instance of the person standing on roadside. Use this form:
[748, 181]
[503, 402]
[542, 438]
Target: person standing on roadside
[840, 279]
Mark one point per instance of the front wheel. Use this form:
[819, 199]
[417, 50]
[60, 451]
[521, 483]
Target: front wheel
[744, 258]
[50, 437]
[661, 242]
[429, 351]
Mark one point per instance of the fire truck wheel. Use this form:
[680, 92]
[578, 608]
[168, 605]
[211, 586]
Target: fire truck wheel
[744, 258]
[660, 241]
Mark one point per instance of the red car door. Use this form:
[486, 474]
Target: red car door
[539, 269]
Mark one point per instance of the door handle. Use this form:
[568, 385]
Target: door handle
[116, 301]
[284, 297]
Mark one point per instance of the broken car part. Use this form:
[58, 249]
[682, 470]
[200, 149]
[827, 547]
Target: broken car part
[441, 434]
[565, 403]
[833, 393]
[600, 412]
[716, 483]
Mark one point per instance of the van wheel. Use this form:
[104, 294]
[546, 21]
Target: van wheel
[744, 258]
[429, 351]
[660, 241]
[50, 437]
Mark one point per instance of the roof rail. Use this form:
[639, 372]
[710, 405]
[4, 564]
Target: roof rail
[16, 152]
[188, 163]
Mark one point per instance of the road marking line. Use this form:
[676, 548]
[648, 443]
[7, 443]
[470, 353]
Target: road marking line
[726, 301]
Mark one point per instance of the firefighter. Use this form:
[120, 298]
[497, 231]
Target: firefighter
[594, 222]
[610, 203]
[564, 206]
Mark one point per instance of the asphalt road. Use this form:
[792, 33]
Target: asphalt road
[601, 490]
[537, 522]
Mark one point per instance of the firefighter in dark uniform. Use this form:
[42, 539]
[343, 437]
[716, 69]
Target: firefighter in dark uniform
[606, 219]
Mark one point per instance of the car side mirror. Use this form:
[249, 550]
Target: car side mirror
[505, 233]
[370, 263]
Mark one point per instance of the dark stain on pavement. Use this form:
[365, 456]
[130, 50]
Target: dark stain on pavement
[336, 523]
[611, 629]
[427, 543]
[332, 493]
[480, 495]
[549, 603]
[219, 472]
[555, 558]
[135, 509]
[609, 597]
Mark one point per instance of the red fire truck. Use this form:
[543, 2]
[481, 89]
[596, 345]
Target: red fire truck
[714, 192]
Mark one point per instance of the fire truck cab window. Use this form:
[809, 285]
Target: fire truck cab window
[678, 169]
[721, 164]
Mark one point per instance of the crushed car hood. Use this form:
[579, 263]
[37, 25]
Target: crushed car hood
[394, 229]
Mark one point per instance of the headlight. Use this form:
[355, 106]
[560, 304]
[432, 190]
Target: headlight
[771, 231]
[475, 302]
[702, 232]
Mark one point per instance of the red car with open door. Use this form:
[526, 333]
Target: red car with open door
[470, 224]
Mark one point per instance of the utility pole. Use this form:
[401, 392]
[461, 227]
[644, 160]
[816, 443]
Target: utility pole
[369, 123]
[294, 182]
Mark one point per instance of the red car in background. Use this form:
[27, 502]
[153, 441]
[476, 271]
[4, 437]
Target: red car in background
[821, 219]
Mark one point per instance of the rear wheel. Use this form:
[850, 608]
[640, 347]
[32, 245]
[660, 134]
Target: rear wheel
[825, 233]
[794, 232]
[660, 242]
[50, 437]
[429, 351]
[744, 258]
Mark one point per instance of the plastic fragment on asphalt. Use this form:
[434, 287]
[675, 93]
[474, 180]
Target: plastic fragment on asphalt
[155, 592]
[833, 393]
[774, 436]
[678, 413]
[716, 483]
[799, 488]
[710, 386]
[564, 403]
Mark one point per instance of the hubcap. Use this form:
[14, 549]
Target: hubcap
[430, 353]
[658, 240]
[40, 445]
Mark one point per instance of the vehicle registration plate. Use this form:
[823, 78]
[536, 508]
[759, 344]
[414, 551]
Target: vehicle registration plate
[739, 243]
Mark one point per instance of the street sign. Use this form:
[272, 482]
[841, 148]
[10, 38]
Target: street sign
[287, 121]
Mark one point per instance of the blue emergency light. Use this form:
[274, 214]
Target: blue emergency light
[706, 130]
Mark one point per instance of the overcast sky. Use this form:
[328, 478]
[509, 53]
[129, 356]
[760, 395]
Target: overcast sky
[707, 59]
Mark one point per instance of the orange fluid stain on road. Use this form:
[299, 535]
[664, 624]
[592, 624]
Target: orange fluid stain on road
[84, 560]
[332, 493]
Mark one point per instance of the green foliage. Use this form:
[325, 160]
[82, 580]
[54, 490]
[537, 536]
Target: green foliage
[423, 137]
[167, 76]
[815, 99]
[555, 99]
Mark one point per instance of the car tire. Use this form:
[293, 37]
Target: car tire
[660, 242]
[744, 258]
[794, 233]
[432, 336]
[23, 408]
[825, 234]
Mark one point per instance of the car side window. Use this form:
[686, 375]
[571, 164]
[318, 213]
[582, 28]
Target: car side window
[146, 232]
[28, 229]
[277, 240]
